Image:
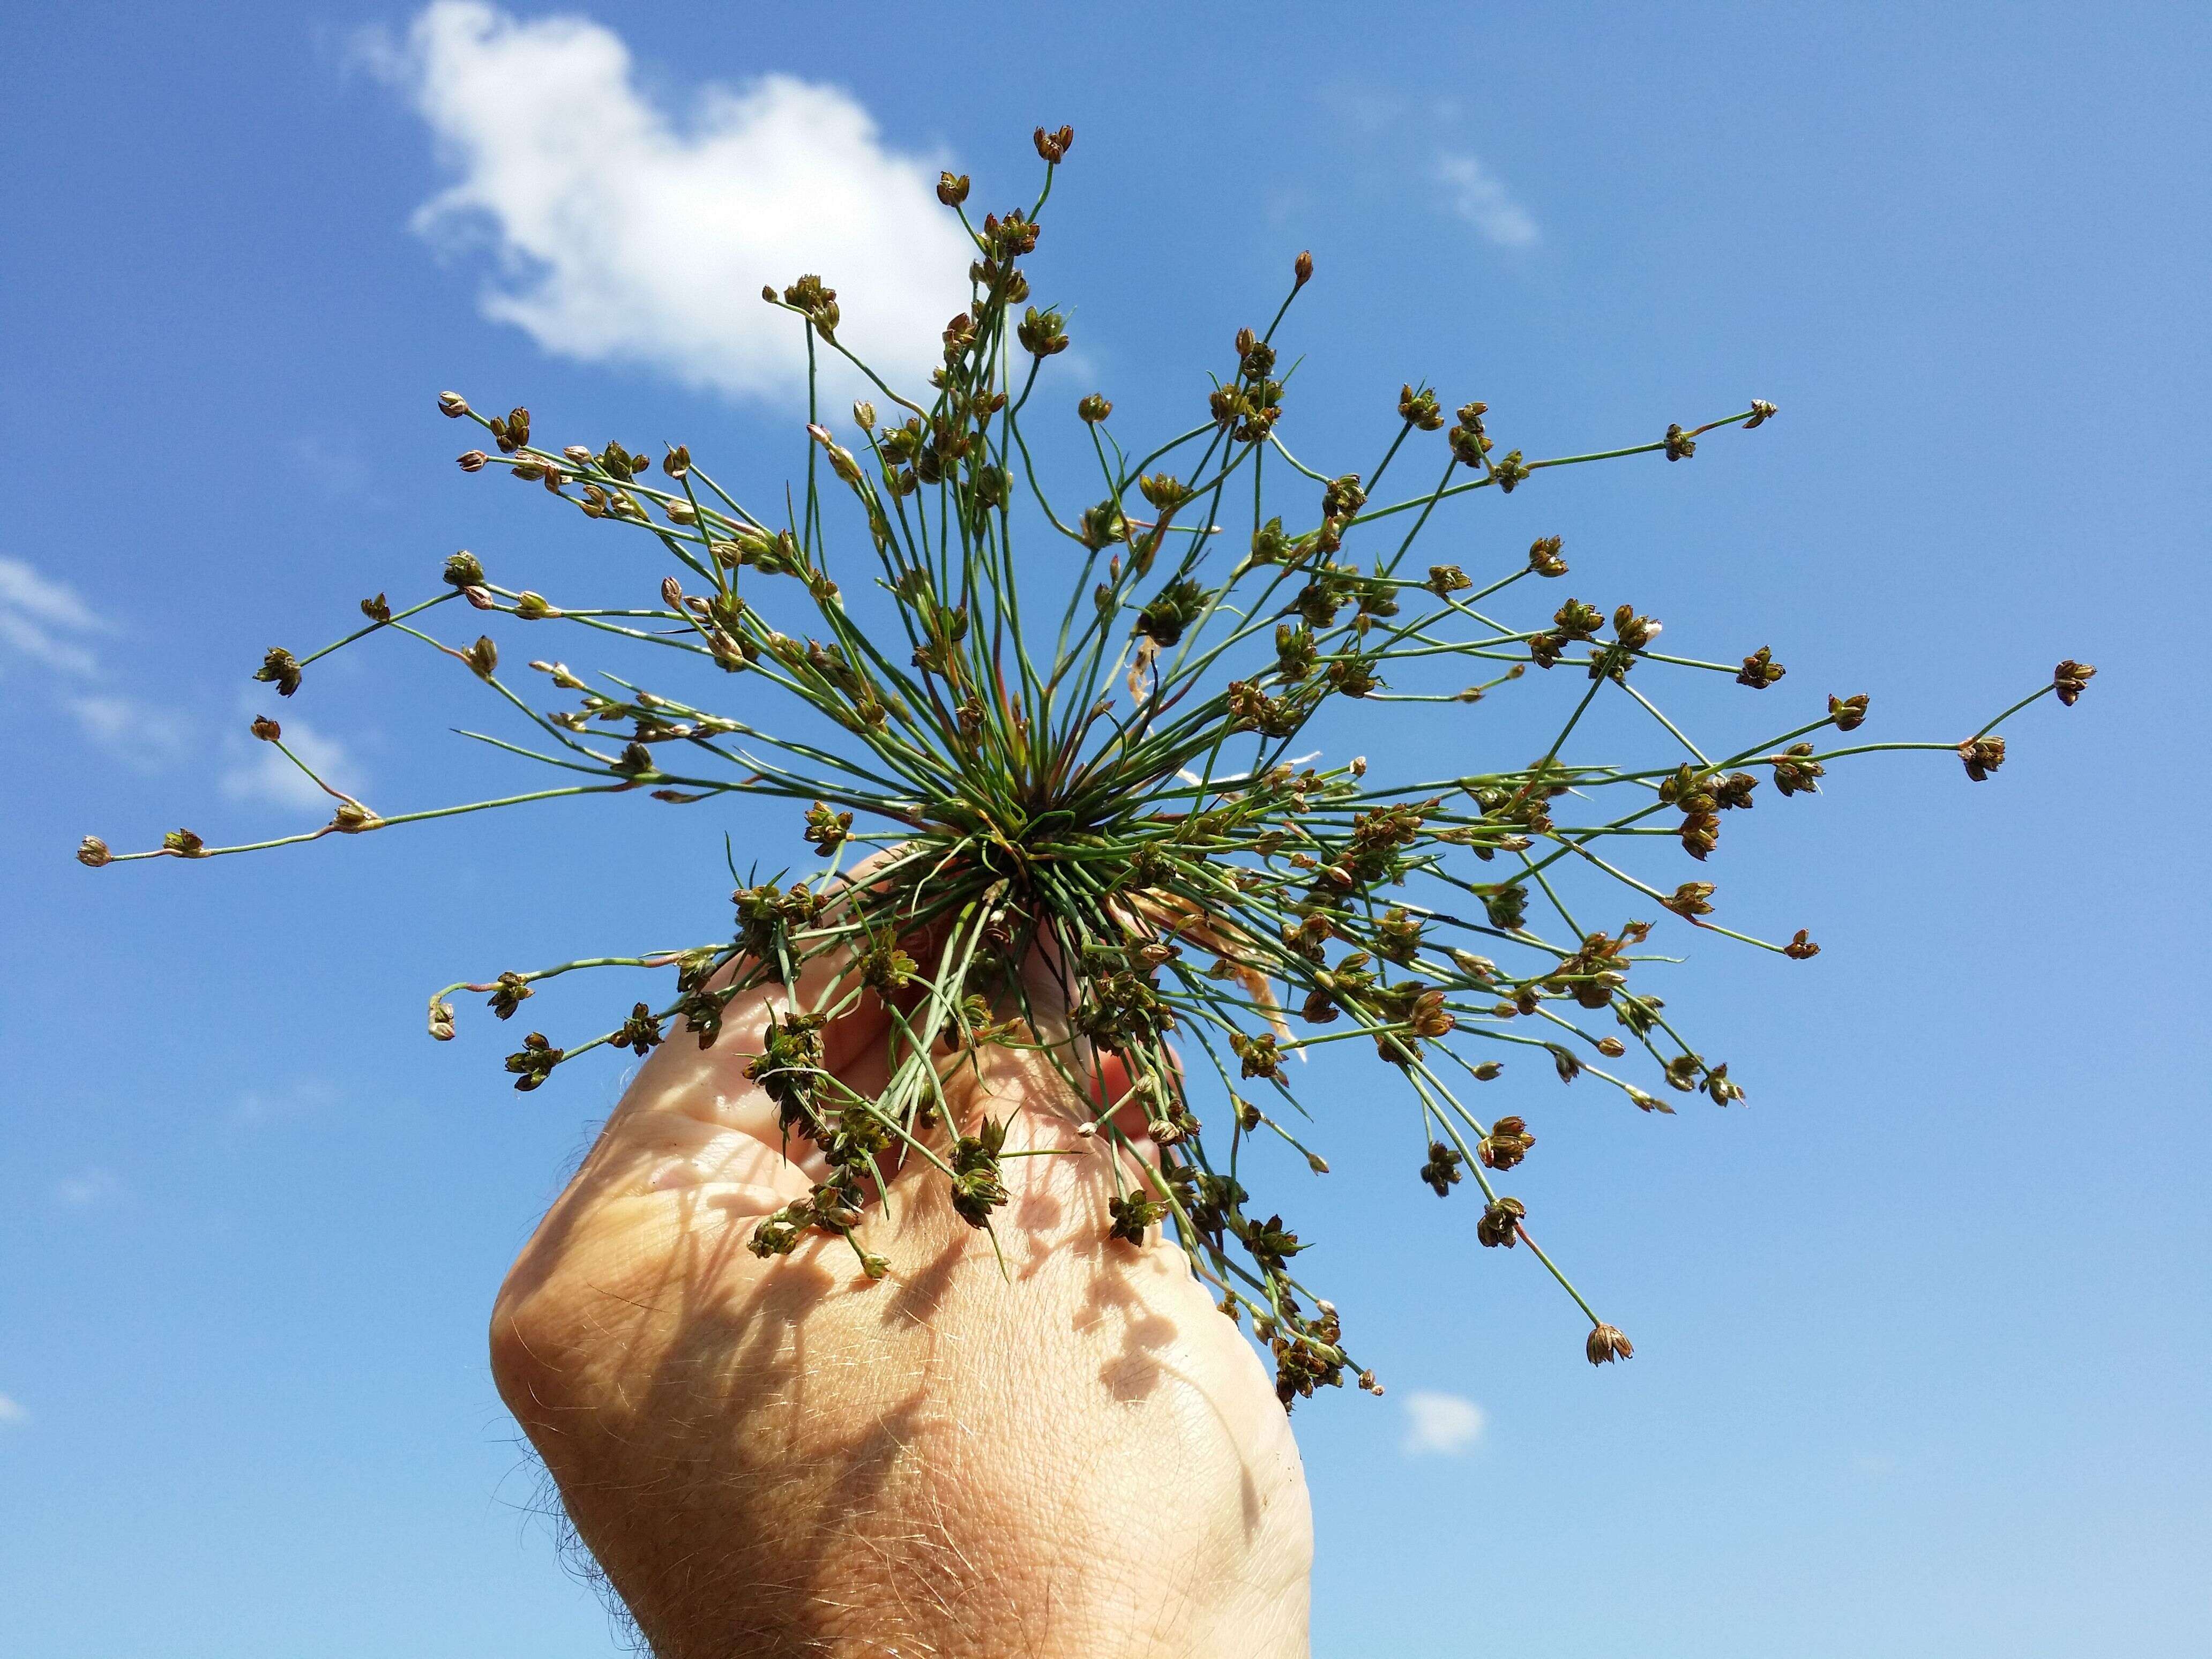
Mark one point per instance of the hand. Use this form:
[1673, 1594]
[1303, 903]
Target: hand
[1075, 1455]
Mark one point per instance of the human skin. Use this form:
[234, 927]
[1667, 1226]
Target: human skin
[1074, 1455]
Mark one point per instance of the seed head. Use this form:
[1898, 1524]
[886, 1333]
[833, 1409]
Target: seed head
[1760, 670]
[266, 729]
[951, 191]
[1606, 1345]
[1982, 756]
[2071, 678]
[452, 405]
[92, 853]
[279, 668]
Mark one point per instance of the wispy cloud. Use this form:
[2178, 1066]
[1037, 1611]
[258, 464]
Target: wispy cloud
[628, 234]
[1441, 1425]
[260, 772]
[90, 1186]
[143, 736]
[44, 622]
[1480, 197]
[257, 1109]
[12, 1415]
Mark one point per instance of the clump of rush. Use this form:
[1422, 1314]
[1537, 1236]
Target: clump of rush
[1104, 772]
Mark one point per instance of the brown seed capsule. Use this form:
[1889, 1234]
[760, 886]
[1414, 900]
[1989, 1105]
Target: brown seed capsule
[1760, 670]
[1679, 444]
[1054, 146]
[1981, 755]
[184, 843]
[452, 405]
[1606, 1345]
[1094, 408]
[2071, 678]
[376, 610]
[266, 729]
[1761, 413]
[1302, 271]
[92, 853]
[281, 669]
[441, 1019]
[473, 460]
[1506, 1144]
[951, 191]
[1801, 949]
[1848, 712]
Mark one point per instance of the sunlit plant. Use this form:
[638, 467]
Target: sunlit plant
[1114, 783]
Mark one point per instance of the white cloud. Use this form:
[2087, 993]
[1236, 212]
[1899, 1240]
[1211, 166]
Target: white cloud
[144, 738]
[11, 1413]
[45, 621]
[261, 773]
[1441, 1425]
[626, 234]
[1480, 198]
[256, 1110]
[93, 1186]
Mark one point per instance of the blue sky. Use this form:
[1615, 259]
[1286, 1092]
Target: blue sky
[1922, 1328]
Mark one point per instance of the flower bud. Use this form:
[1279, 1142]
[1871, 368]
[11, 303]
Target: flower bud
[1301, 271]
[92, 853]
[863, 414]
[1094, 408]
[2071, 678]
[1053, 147]
[951, 191]
[1761, 413]
[464, 569]
[452, 405]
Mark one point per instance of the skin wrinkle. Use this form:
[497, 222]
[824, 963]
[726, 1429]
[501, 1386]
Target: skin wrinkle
[781, 1458]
